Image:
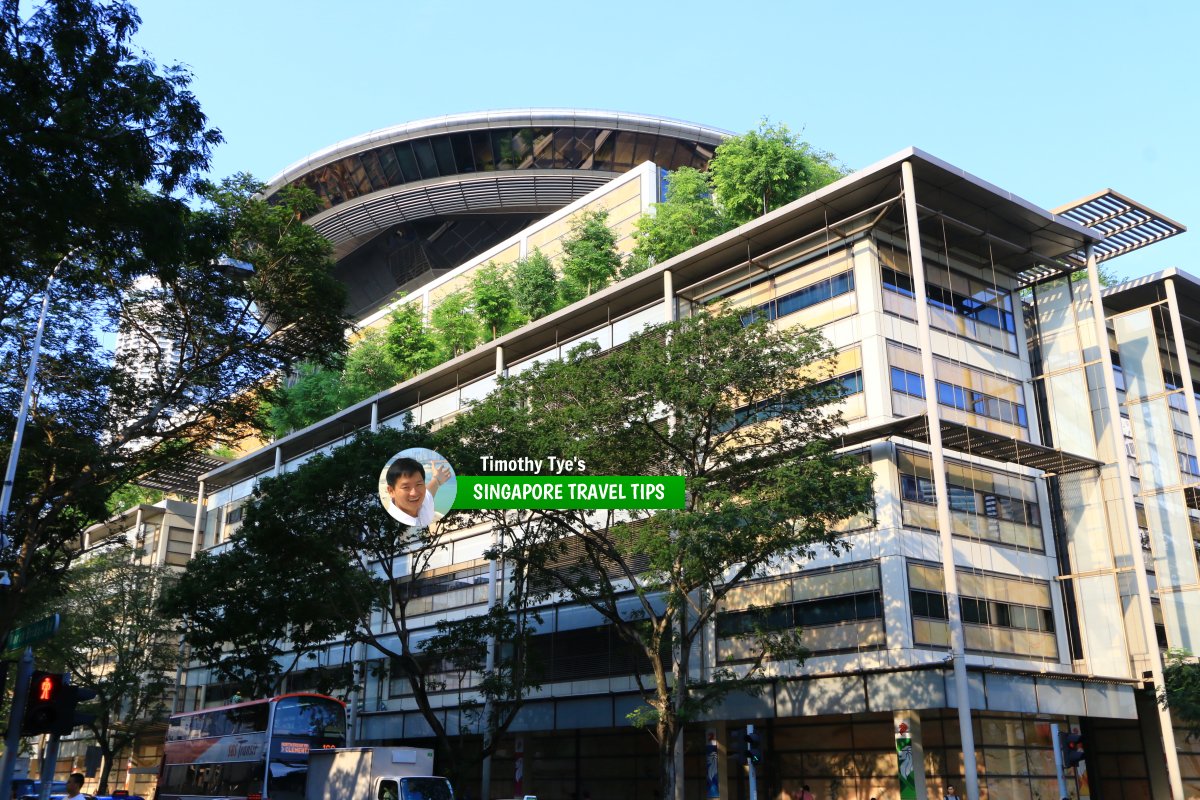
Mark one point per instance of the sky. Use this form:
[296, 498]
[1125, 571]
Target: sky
[1049, 100]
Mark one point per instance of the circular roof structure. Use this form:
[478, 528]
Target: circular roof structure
[405, 204]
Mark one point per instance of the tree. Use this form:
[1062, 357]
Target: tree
[455, 326]
[766, 168]
[686, 218]
[217, 298]
[742, 412]
[492, 298]
[319, 559]
[370, 367]
[411, 345]
[590, 259]
[312, 394]
[115, 642]
[1181, 689]
[535, 286]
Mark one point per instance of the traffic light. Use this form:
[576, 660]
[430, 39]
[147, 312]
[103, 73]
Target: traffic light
[50, 705]
[753, 747]
[42, 703]
[1071, 745]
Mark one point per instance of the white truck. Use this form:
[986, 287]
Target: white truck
[375, 773]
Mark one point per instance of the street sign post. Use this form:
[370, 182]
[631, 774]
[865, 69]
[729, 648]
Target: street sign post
[34, 632]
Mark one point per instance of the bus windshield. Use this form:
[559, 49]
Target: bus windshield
[301, 723]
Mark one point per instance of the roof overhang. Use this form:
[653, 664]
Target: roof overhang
[976, 442]
[1124, 225]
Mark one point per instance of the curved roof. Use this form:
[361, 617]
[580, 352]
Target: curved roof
[528, 161]
[507, 118]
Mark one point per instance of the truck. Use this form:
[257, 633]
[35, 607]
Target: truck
[374, 773]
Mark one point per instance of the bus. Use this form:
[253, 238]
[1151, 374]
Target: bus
[256, 750]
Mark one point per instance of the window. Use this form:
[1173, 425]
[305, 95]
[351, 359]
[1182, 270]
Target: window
[810, 295]
[908, 383]
[843, 386]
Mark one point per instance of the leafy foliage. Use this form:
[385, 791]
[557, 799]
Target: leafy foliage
[1181, 689]
[114, 641]
[759, 492]
[686, 218]
[317, 560]
[766, 168]
[456, 327]
[411, 345]
[590, 260]
[535, 286]
[492, 299]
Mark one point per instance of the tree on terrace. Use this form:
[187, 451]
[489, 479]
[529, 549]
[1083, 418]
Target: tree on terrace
[98, 144]
[535, 285]
[766, 168]
[590, 260]
[317, 559]
[492, 299]
[744, 413]
[455, 327]
[687, 217]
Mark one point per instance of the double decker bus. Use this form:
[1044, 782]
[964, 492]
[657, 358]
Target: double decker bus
[249, 751]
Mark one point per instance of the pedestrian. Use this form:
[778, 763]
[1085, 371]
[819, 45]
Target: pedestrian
[75, 786]
[951, 794]
[806, 793]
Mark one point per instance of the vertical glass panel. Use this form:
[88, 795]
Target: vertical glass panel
[444, 154]
[1084, 522]
[391, 167]
[1072, 430]
[1138, 346]
[375, 175]
[1171, 539]
[1154, 441]
[1181, 614]
[502, 148]
[408, 162]
[485, 160]
[1101, 619]
[425, 158]
[464, 161]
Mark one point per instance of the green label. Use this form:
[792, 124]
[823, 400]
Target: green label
[569, 492]
[906, 771]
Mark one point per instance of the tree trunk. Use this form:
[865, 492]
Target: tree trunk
[106, 765]
[666, 757]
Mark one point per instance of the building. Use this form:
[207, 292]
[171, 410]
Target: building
[1033, 548]
[410, 203]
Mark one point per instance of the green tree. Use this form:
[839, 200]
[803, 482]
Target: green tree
[312, 394]
[370, 367]
[455, 326]
[674, 401]
[687, 217]
[535, 286]
[319, 559]
[1181, 689]
[411, 345]
[115, 642]
[766, 168]
[492, 298]
[222, 293]
[590, 260]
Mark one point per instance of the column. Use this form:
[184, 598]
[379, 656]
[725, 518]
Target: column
[198, 526]
[937, 456]
[910, 754]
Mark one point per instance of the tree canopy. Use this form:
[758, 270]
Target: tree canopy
[766, 168]
[687, 217]
[753, 437]
[115, 642]
[319, 560]
[535, 286]
[590, 260]
[216, 292]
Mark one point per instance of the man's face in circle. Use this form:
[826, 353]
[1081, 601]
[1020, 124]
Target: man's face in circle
[408, 492]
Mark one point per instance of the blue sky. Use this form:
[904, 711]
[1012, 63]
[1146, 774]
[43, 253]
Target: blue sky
[1049, 100]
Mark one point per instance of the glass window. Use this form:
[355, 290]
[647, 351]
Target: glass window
[425, 159]
[464, 161]
[444, 154]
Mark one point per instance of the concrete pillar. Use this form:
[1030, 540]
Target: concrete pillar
[198, 525]
[937, 456]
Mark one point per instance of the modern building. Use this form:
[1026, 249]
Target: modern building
[412, 202]
[1034, 545]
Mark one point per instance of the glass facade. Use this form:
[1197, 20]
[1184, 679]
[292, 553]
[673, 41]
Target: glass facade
[497, 150]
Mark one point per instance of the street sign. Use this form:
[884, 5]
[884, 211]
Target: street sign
[34, 632]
